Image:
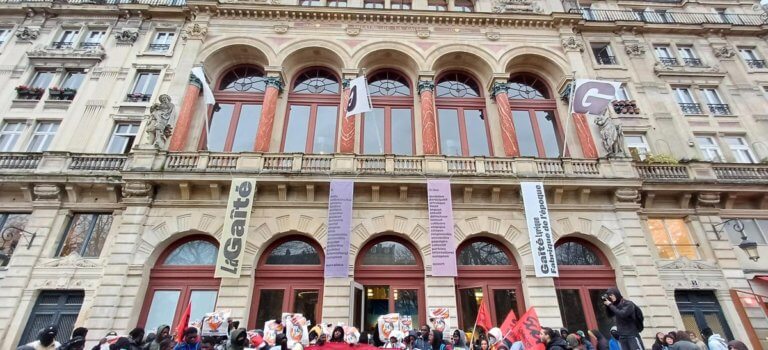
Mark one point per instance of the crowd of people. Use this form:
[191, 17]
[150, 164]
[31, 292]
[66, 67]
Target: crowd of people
[625, 335]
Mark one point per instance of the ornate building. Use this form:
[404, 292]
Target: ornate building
[114, 173]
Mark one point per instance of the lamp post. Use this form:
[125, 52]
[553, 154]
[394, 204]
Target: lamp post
[8, 235]
[747, 245]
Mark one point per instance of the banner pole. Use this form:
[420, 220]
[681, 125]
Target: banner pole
[474, 328]
[570, 115]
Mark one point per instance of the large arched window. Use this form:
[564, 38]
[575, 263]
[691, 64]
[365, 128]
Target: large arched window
[182, 275]
[389, 277]
[235, 122]
[534, 116]
[584, 276]
[487, 271]
[463, 6]
[288, 277]
[460, 116]
[388, 129]
[313, 110]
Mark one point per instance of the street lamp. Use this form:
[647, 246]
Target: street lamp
[7, 235]
[747, 245]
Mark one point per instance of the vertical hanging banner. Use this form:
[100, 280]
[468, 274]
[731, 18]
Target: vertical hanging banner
[441, 228]
[339, 227]
[235, 231]
[539, 229]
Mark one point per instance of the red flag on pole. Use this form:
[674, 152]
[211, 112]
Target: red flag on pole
[528, 330]
[183, 323]
[484, 316]
[507, 325]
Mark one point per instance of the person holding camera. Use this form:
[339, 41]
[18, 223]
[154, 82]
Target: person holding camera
[628, 319]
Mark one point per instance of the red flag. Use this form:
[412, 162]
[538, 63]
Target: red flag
[484, 317]
[528, 330]
[183, 323]
[507, 325]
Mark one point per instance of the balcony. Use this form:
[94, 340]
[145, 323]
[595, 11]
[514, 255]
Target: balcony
[606, 60]
[62, 45]
[669, 17]
[741, 172]
[138, 97]
[159, 47]
[102, 2]
[693, 62]
[719, 109]
[690, 108]
[668, 61]
[62, 162]
[90, 46]
[756, 64]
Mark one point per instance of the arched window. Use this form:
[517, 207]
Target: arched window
[584, 276]
[487, 271]
[388, 129]
[235, 122]
[183, 275]
[437, 5]
[460, 116]
[463, 6]
[313, 110]
[288, 277]
[389, 277]
[534, 116]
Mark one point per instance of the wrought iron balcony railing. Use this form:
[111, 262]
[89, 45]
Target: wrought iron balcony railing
[103, 2]
[668, 61]
[759, 64]
[693, 62]
[596, 15]
[690, 108]
[159, 47]
[62, 45]
[605, 59]
[719, 109]
[87, 45]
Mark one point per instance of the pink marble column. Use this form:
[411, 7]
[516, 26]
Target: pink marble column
[267, 121]
[347, 144]
[585, 135]
[428, 121]
[508, 135]
[186, 113]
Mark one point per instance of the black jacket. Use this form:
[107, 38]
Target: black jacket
[557, 343]
[623, 312]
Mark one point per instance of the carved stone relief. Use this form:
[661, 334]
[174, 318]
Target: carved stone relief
[572, 44]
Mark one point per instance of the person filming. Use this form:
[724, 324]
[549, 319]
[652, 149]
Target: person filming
[628, 319]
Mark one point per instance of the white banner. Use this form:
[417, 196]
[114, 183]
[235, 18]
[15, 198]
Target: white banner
[593, 96]
[359, 100]
[207, 93]
[539, 229]
[235, 231]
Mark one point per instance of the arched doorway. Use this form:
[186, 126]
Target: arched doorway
[183, 274]
[487, 271]
[288, 277]
[585, 274]
[389, 275]
[534, 114]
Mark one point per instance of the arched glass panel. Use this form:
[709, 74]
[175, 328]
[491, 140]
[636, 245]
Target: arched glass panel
[293, 252]
[389, 253]
[463, 6]
[483, 253]
[457, 85]
[244, 79]
[193, 253]
[316, 81]
[574, 253]
[388, 83]
[526, 87]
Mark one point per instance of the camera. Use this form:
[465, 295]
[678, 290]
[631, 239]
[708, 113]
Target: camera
[604, 297]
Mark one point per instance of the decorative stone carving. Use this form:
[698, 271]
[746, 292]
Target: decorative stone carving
[27, 34]
[93, 53]
[634, 49]
[194, 31]
[572, 44]
[46, 192]
[353, 30]
[71, 260]
[497, 88]
[493, 35]
[127, 36]
[426, 85]
[724, 52]
[137, 189]
[612, 136]
[627, 195]
[159, 127]
[660, 67]
[684, 263]
[423, 33]
[511, 6]
[707, 199]
[280, 28]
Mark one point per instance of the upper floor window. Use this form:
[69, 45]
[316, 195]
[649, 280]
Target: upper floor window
[86, 234]
[623, 94]
[637, 143]
[533, 115]
[10, 224]
[689, 56]
[310, 3]
[751, 57]
[42, 137]
[234, 125]
[709, 148]
[143, 86]
[373, 4]
[162, 41]
[10, 133]
[460, 116]
[93, 38]
[244, 79]
[686, 101]
[603, 54]
[400, 4]
[665, 55]
[437, 5]
[66, 39]
[388, 129]
[337, 3]
[122, 138]
[715, 104]
[5, 33]
[313, 112]
[672, 239]
[463, 6]
[740, 149]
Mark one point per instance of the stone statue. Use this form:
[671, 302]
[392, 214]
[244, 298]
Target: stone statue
[159, 127]
[612, 135]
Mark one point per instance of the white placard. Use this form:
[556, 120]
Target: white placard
[539, 229]
[235, 232]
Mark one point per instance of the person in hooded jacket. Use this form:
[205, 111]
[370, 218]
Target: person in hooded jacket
[163, 333]
[238, 339]
[136, 339]
[714, 340]
[337, 336]
[46, 340]
[683, 342]
[623, 313]
[553, 339]
[459, 340]
[77, 341]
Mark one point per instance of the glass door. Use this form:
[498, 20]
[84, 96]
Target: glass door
[273, 302]
[356, 291]
[381, 300]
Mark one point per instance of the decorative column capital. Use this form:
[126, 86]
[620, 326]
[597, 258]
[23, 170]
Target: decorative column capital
[345, 83]
[426, 85]
[498, 88]
[193, 80]
[274, 82]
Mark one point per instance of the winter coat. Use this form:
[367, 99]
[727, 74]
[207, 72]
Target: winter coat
[683, 345]
[613, 344]
[623, 312]
[185, 346]
[557, 343]
[716, 342]
[155, 344]
[232, 336]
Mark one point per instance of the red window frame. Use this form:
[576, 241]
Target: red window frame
[489, 278]
[461, 104]
[533, 105]
[238, 99]
[313, 101]
[585, 278]
[289, 278]
[389, 103]
[393, 276]
[182, 278]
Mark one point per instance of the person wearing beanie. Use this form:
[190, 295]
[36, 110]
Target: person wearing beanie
[613, 343]
[46, 340]
[163, 333]
[190, 341]
[77, 342]
[136, 339]
[238, 339]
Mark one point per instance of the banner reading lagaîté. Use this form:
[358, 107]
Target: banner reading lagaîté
[539, 229]
[233, 236]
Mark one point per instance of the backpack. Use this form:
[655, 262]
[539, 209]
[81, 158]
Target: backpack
[639, 319]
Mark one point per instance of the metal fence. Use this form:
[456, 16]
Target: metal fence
[648, 16]
[102, 2]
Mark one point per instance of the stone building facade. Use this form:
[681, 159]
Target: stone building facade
[119, 226]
